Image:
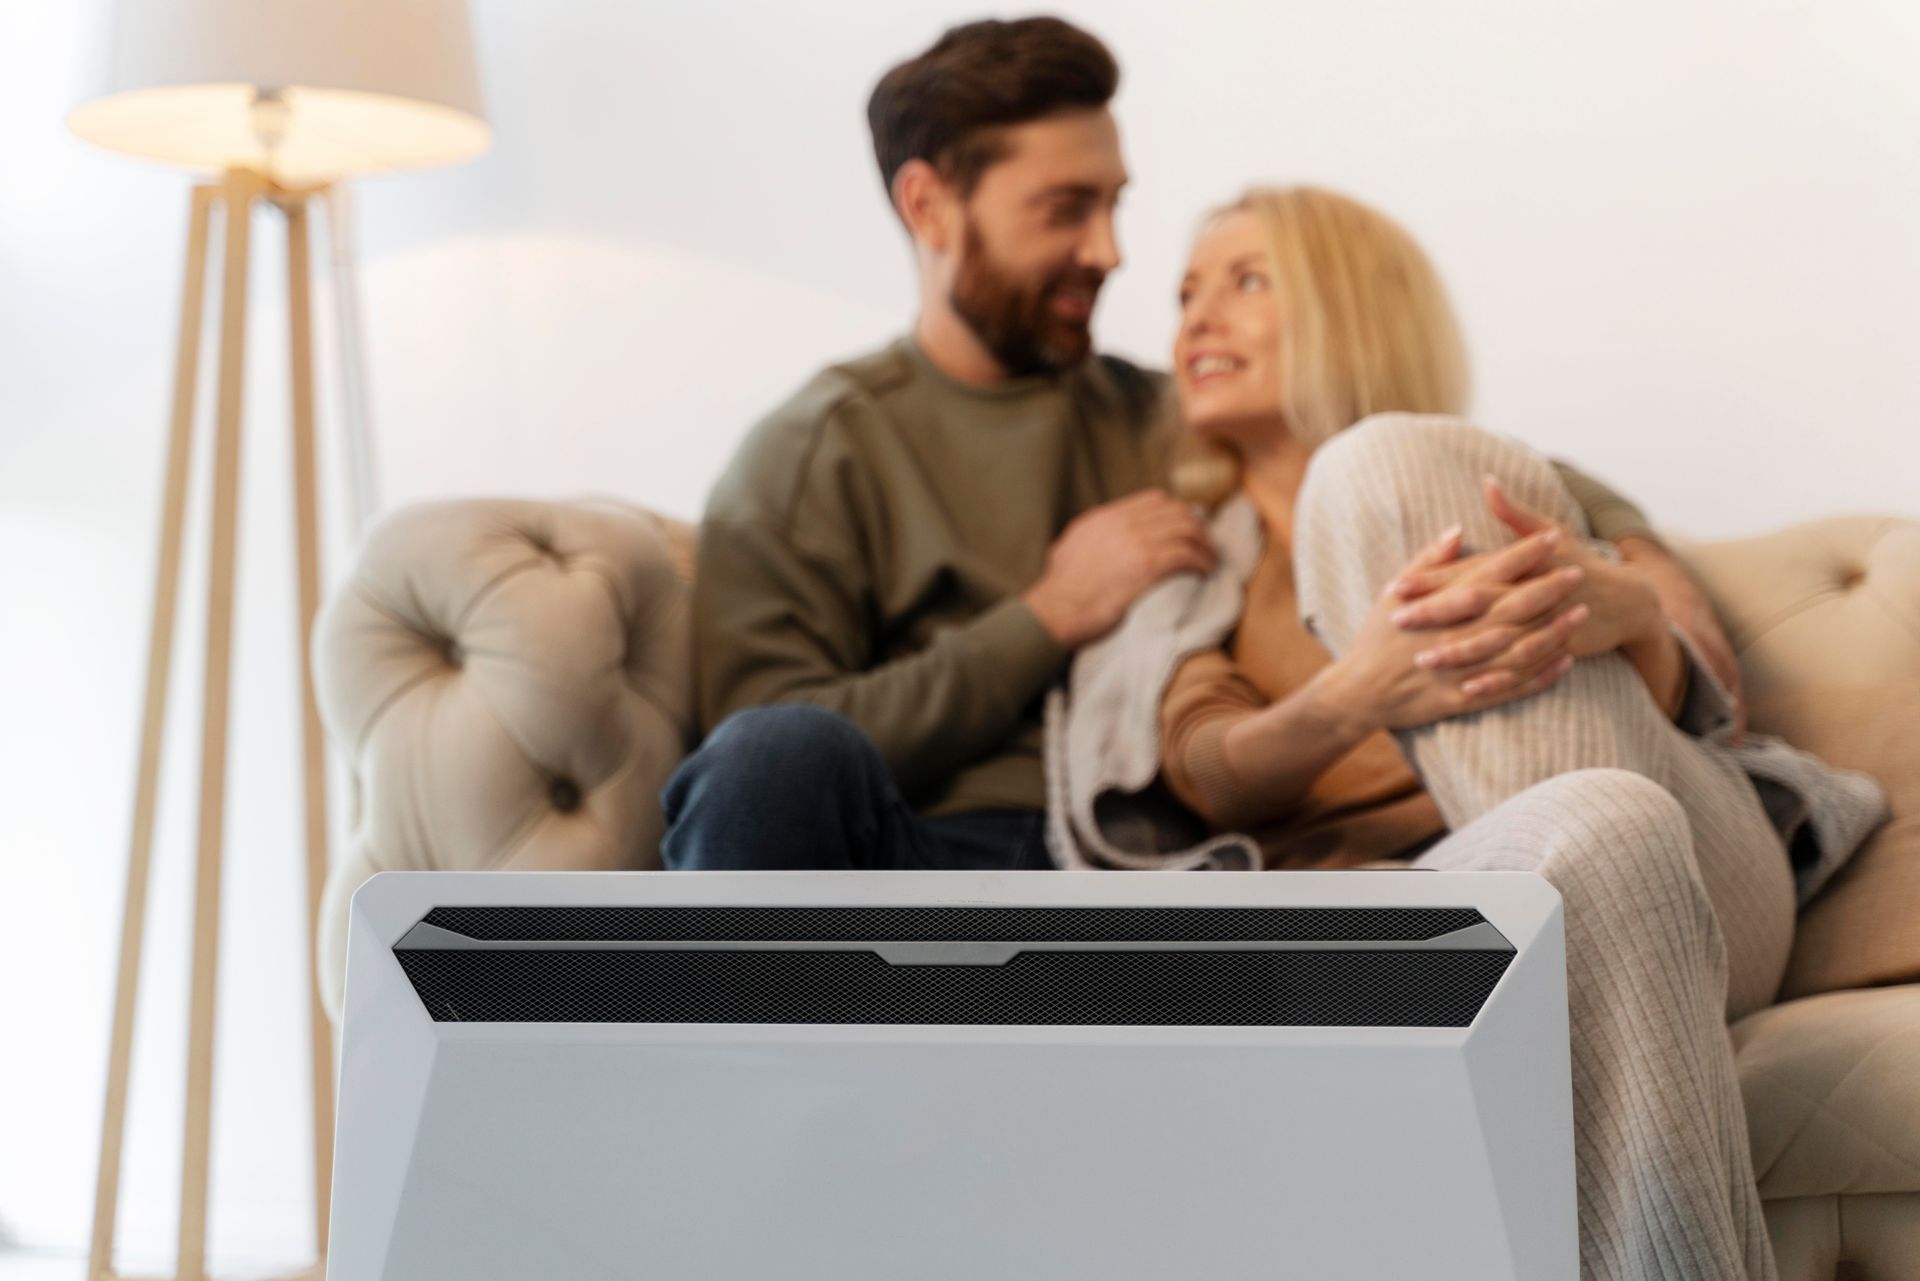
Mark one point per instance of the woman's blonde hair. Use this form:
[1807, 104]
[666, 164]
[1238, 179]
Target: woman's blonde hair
[1365, 325]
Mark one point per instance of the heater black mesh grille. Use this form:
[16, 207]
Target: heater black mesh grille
[1287, 988]
[956, 924]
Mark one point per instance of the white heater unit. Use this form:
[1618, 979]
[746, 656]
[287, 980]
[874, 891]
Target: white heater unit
[955, 1076]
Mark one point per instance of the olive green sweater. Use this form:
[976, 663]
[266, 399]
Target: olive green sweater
[866, 549]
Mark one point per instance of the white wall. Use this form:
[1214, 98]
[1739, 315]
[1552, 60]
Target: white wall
[1685, 238]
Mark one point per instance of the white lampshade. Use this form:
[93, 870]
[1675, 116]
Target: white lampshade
[366, 85]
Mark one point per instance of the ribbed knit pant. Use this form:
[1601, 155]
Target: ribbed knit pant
[1678, 895]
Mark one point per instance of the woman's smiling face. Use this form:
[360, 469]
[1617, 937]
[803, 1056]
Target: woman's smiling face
[1226, 355]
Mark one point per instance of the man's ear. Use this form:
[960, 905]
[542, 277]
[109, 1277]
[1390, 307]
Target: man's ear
[925, 203]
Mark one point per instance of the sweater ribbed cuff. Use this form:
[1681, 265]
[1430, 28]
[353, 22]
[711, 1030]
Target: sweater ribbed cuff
[1204, 761]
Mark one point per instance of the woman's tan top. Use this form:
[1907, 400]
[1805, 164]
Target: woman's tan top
[1368, 805]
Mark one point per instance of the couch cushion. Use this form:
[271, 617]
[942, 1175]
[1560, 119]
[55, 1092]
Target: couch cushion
[1864, 928]
[1826, 619]
[1846, 1238]
[1832, 1088]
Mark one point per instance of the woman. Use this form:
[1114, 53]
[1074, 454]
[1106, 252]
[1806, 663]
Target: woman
[1474, 687]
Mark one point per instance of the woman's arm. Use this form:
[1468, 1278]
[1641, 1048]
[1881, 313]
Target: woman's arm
[1238, 760]
[1234, 758]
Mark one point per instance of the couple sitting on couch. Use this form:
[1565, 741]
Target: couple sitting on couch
[1451, 651]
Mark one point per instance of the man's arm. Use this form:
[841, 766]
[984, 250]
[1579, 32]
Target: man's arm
[786, 608]
[781, 621]
[1615, 519]
[1610, 517]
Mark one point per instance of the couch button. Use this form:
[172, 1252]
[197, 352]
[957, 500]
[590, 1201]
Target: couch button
[565, 794]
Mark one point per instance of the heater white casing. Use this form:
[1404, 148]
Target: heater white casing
[488, 1151]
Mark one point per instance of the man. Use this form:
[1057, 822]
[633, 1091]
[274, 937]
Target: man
[902, 557]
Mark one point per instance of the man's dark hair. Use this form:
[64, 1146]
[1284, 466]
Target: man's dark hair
[950, 105]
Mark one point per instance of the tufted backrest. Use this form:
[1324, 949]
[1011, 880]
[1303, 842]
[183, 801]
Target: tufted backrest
[1826, 619]
[510, 683]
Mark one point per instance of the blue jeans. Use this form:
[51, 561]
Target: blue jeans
[793, 787]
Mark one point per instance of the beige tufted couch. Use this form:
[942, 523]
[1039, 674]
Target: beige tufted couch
[509, 681]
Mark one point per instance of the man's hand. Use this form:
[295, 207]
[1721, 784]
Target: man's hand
[1679, 600]
[1108, 556]
[1631, 605]
[1623, 609]
[1686, 606]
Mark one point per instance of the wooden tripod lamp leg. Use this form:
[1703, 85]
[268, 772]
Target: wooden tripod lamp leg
[240, 192]
[313, 748]
[166, 577]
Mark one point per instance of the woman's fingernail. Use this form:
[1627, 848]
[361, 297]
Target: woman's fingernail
[1451, 532]
[1401, 617]
[1425, 658]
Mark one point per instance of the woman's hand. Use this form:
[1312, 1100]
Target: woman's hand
[1627, 609]
[1499, 632]
[1623, 606]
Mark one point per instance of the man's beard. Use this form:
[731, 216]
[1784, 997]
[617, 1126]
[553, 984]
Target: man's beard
[1013, 320]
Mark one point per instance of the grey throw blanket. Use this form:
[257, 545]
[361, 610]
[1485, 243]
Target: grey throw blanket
[1105, 808]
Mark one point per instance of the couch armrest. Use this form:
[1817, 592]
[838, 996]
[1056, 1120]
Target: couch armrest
[1825, 616]
[509, 682]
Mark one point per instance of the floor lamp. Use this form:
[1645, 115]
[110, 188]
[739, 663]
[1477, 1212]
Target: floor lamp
[279, 102]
